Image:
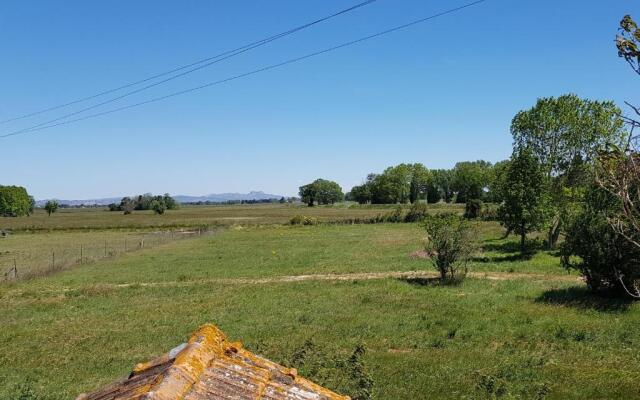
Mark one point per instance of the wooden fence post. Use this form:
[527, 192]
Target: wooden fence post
[53, 260]
[80, 254]
[15, 269]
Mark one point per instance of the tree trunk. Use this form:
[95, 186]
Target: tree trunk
[554, 233]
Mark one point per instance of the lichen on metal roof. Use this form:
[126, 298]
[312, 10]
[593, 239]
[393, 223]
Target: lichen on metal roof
[208, 366]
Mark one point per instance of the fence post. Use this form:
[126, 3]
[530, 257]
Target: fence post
[80, 254]
[15, 269]
[125, 245]
[105, 248]
[53, 260]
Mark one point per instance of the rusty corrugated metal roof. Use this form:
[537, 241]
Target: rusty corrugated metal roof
[211, 367]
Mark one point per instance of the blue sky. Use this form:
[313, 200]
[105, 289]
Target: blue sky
[436, 93]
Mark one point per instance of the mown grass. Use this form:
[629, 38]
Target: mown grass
[519, 338]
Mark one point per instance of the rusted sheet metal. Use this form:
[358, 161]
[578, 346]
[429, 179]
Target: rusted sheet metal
[211, 367]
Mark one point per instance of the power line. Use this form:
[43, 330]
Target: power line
[209, 61]
[267, 68]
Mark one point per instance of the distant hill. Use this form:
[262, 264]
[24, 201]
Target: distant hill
[222, 197]
[218, 198]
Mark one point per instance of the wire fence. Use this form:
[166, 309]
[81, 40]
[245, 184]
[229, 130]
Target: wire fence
[41, 261]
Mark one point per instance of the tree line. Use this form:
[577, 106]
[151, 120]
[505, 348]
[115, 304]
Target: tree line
[159, 204]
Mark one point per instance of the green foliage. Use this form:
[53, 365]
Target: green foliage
[525, 206]
[470, 179]
[361, 194]
[346, 376]
[417, 213]
[559, 130]
[15, 201]
[497, 182]
[158, 206]
[51, 206]
[303, 220]
[607, 260]
[628, 42]
[25, 391]
[473, 209]
[441, 187]
[450, 245]
[321, 191]
[399, 184]
[564, 134]
[147, 201]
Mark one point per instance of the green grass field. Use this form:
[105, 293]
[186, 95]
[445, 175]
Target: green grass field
[192, 216]
[515, 329]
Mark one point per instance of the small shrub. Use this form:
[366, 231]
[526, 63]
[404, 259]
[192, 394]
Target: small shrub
[450, 244]
[303, 220]
[159, 207]
[394, 216]
[489, 212]
[417, 213]
[473, 209]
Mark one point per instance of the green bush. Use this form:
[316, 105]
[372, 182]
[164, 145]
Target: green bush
[303, 220]
[417, 212]
[608, 261]
[473, 209]
[450, 245]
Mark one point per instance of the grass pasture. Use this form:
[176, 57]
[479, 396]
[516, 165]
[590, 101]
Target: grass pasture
[515, 329]
[193, 216]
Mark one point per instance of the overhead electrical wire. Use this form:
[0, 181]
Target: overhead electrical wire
[209, 61]
[267, 68]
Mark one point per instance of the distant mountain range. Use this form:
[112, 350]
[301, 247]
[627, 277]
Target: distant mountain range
[216, 198]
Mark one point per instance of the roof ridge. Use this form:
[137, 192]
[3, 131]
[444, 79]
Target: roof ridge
[204, 345]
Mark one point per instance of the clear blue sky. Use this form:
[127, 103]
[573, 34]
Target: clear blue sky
[437, 93]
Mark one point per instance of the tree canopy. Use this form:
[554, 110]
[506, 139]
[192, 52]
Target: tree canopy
[525, 206]
[321, 191]
[15, 201]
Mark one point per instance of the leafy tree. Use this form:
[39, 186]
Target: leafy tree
[32, 205]
[419, 184]
[158, 206]
[470, 178]
[606, 258]
[321, 191]
[565, 133]
[442, 186]
[525, 205]
[51, 206]
[398, 184]
[14, 201]
[361, 193]
[450, 245]
[497, 182]
[169, 202]
[628, 42]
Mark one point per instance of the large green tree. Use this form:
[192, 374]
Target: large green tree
[525, 201]
[470, 179]
[321, 191]
[15, 201]
[563, 134]
[441, 186]
[398, 184]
